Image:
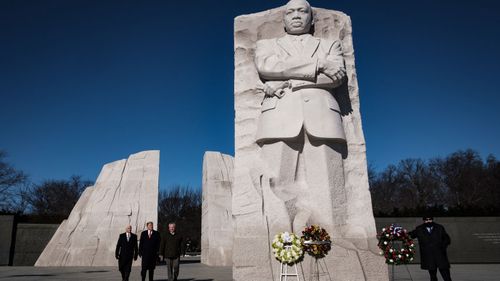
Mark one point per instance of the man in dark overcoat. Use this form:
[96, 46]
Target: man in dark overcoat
[149, 248]
[171, 251]
[126, 251]
[433, 242]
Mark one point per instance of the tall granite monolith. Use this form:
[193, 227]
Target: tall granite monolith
[216, 220]
[126, 192]
[300, 155]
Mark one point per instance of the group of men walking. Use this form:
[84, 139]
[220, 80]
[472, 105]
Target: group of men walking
[149, 250]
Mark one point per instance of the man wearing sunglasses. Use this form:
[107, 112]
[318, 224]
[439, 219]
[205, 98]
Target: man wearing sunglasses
[433, 242]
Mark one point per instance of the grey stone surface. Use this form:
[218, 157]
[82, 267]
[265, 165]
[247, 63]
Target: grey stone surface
[6, 228]
[193, 271]
[31, 239]
[259, 211]
[126, 192]
[216, 220]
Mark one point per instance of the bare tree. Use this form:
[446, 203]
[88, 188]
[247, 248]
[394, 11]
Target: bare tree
[56, 197]
[384, 190]
[12, 184]
[463, 172]
[459, 184]
[419, 186]
[182, 205]
[492, 181]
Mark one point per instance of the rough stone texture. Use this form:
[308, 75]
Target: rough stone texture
[354, 255]
[216, 220]
[31, 239]
[126, 192]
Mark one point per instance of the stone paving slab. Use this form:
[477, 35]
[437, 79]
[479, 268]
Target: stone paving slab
[192, 270]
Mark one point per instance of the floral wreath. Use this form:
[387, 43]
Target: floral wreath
[392, 255]
[287, 248]
[316, 241]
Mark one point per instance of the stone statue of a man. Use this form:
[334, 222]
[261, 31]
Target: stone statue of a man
[300, 127]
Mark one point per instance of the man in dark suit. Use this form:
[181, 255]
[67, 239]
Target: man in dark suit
[126, 250]
[172, 251]
[148, 250]
[433, 241]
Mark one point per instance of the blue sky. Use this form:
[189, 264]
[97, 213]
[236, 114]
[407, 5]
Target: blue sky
[83, 83]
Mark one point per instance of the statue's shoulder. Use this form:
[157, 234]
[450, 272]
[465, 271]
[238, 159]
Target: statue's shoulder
[328, 42]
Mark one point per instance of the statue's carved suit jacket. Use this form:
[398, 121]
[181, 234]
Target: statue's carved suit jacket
[310, 101]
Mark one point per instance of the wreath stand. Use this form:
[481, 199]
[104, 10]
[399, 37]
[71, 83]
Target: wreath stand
[315, 269]
[284, 269]
[393, 266]
[393, 275]
[397, 248]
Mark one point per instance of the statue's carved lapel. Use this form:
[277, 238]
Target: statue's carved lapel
[287, 45]
[311, 46]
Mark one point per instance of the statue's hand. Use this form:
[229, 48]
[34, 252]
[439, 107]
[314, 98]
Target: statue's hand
[331, 70]
[275, 88]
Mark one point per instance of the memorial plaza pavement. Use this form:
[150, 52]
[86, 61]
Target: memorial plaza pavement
[193, 270]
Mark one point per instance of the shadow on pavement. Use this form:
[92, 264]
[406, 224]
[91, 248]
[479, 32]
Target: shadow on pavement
[180, 262]
[31, 275]
[189, 261]
[189, 279]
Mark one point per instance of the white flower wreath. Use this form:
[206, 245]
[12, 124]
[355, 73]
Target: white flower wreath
[287, 248]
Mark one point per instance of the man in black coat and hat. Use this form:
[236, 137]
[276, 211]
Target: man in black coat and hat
[433, 241]
[126, 250]
[149, 248]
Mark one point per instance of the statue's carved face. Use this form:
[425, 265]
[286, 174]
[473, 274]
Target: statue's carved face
[298, 17]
